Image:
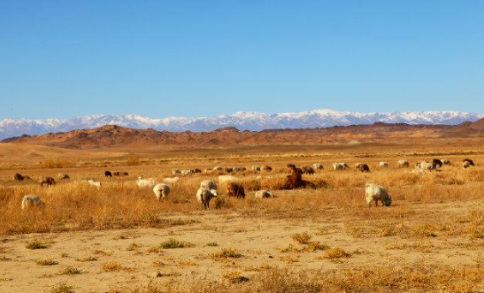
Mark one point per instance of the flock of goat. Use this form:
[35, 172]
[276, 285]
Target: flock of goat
[208, 188]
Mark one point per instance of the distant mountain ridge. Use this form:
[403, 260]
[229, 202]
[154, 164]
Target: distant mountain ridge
[253, 121]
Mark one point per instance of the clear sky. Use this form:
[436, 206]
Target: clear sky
[67, 58]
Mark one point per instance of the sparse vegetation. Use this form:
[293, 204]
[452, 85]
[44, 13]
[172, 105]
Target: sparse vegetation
[70, 271]
[227, 253]
[173, 243]
[302, 238]
[62, 288]
[37, 244]
[46, 262]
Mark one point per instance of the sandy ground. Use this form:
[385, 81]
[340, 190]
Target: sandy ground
[261, 239]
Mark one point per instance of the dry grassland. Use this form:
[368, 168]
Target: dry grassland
[325, 239]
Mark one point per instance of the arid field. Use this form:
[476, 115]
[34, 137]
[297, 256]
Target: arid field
[323, 238]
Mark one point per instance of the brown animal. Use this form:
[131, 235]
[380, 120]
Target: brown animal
[235, 189]
[308, 170]
[18, 177]
[47, 181]
[363, 168]
[108, 174]
[295, 179]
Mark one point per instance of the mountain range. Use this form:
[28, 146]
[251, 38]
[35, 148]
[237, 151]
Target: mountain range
[253, 121]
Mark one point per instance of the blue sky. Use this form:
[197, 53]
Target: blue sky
[67, 58]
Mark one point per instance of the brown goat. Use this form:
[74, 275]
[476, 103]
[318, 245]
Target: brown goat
[47, 181]
[235, 189]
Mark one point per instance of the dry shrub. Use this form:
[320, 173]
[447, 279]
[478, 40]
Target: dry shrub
[52, 164]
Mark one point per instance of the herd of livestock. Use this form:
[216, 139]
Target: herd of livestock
[208, 188]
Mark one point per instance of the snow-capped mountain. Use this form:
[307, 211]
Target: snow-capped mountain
[241, 120]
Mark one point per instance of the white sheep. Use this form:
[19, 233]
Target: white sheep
[161, 190]
[218, 168]
[340, 166]
[226, 178]
[264, 194]
[374, 192]
[208, 184]
[145, 182]
[29, 201]
[424, 165]
[173, 180]
[255, 168]
[318, 166]
[403, 163]
[383, 164]
[204, 196]
[63, 176]
[94, 183]
[175, 171]
[186, 172]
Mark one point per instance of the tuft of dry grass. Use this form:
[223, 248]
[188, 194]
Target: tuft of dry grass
[62, 288]
[337, 252]
[70, 271]
[302, 238]
[173, 243]
[46, 262]
[227, 253]
[37, 244]
[114, 267]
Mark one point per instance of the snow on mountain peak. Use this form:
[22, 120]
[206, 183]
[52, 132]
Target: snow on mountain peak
[243, 120]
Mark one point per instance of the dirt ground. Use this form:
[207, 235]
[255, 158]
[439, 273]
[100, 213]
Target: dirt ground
[135, 259]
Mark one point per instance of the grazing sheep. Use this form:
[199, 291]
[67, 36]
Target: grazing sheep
[93, 183]
[229, 169]
[173, 180]
[403, 163]
[29, 201]
[266, 168]
[18, 177]
[318, 166]
[226, 178]
[374, 192]
[196, 170]
[63, 176]
[124, 173]
[446, 162]
[108, 174]
[466, 163]
[208, 184]
[255, 168]
[264, 194]
[186, 172]
[436, 163]
[235, 189]
[204, 196]
[175, 171]
[145, 182]
[424, 165]
[47, 181]
[340, 166]
[308, 170]
[161, 190]
[363, 167]
[383, 164]
[218, 168]
[239, 169]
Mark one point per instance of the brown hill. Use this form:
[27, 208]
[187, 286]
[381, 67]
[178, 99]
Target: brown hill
[467, 129]
[111, 136]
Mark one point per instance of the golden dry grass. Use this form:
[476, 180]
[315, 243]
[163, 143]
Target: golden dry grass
[421, 220]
